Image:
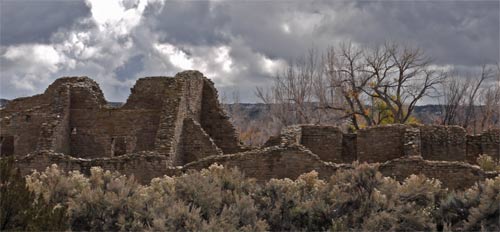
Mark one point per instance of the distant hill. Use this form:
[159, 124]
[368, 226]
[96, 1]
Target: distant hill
[3, 102]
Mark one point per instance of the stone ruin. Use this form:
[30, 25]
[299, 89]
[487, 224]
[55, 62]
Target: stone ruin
[172, 124]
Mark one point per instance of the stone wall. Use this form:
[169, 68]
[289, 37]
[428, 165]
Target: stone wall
[143, 167]
[93, 132]
[272, 162]
[324, 141]
[178, 121]
[447, 143]
[72, 117]
[452, 174]
[379, 144]
[196, 143]
[486, 143]
[215, 121]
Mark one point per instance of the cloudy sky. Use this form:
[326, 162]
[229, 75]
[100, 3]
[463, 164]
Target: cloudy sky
[238, 44]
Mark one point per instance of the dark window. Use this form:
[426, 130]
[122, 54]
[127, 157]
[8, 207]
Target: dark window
[27, 118]
[6, 145]
[118, 146]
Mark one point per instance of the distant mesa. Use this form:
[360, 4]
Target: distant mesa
[172, 124]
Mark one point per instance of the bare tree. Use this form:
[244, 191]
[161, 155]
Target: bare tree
[464, 96]
[291, 95]
[365, 86]
[401, 77]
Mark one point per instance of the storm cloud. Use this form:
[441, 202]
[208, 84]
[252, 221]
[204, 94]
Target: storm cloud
[238, 44]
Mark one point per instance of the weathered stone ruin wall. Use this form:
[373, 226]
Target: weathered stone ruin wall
[272, 162]
[41, 120]
[325, 141]
[196, 143]
[486, 143]
[388, 142]
[379, 144]
[453, 175]
[447, 143]
[72, 117]
[143, 167]
[216, 123]
[100, 133]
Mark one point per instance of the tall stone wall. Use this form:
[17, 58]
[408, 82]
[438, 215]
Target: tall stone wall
[72, 117]
[28, 124]
[93, 132]
[216, 122]
[196, 143]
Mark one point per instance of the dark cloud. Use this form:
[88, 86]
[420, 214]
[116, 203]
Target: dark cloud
[189, 22]
[452, 32]
[130, 68]
[239, 44]
[35, 21]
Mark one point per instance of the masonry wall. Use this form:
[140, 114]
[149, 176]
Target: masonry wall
[272, 162]
[452, 174]
[143, 167]
[26, 124]
[215, 121]
[447, 143]
[379, 144]
[93, 132]
[196, 143]
[324, 141]
[486, 143]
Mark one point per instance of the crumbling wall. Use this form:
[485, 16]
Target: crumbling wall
[216, 123]
[381, 143]
[196, 143]
[36, 123]
[271, 162]
[324, 141]
[486, 143]
[454, 175]
[447, 143]
[143, 166]
[190, 84]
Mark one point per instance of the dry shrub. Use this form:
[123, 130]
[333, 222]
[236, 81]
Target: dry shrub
[218, 199]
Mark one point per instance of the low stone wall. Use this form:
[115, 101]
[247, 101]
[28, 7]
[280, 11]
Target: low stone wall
[272, 162]
[486, 143]
[262, 164]
[143, 167]
[454, 175]
[387, 142]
